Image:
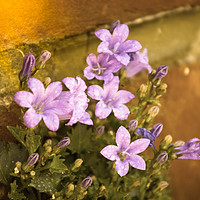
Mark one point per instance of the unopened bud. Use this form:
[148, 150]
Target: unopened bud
[16, 170]
[143, 90]
[32, 173]
[166, 142]
[48, 149]
[18, 164]
[179, 143]
[86, 182]
[45, 55]
[161, 72]
[77, 164]
[47, 81]
[32, 159]
[163, 86]
[156, 130]
[64, 142]
[132, 125]
[153, 111]
[28, 64]
[100, 130]
[162, 185]
[114, 25]
[162, 158]
[70, 187]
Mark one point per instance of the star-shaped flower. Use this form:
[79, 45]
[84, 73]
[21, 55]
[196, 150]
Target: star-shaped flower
[42, 103]
[190, 150]
[75, 102]
[110, 99]
[126, 152]
[101, 67]
[138, 63]
[116, 45]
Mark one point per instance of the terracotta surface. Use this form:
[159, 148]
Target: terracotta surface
[30, 21]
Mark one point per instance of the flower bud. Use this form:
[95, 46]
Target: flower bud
[100, 130]
[179, 143]
[132, 125]
[162, 158]
[70, 187]
[161, 72]
[153, 111]
[32, 159]
[166, 142]
[45, 55]
[162, 185]
[114, 25]
[64, 142]
[86, 182]
[28, 64]
[156, 130]
[32, 173]
[143, 90]
[77, 164]
[47, 81]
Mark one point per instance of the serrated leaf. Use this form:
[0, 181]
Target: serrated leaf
[32, 143]
[46, 182]
[57, 165]
[14, 194]
[80, 139]
[18, 133]
[9, 155]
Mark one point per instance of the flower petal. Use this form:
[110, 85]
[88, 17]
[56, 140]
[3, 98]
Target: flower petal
[130, 46]
[122, 167]
[31, 118]
[36, 87]
[102, 111]
[123, 138]
[121, 32]
[24, 99]
[86, 119]
[121, 112]
[51, 120]
[103, 48]
[53, 90]
[138, 146]
[137, 162]
[88, 73]
[70, 83]
[123, 58]
[193, 156]
[91, 60]
[111, 87]
[95, 92]
[103, 34]
[110, 152]
[123, 96]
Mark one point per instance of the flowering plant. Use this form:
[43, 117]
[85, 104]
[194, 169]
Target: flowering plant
[72, 147]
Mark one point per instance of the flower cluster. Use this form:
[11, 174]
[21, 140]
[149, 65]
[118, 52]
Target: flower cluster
[72, 102]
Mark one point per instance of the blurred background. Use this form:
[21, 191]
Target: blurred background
[170, 30]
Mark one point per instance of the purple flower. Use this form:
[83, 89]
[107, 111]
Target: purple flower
[110, 99]
[45, 55]
[42, 104]
[28, 64]
[101, 67]
[150, 134]
[64, 142]
[139, 62]
[86, 182]
[32, 159]
[116, 45]
[190, 150]
[76, 102]
[126, 152]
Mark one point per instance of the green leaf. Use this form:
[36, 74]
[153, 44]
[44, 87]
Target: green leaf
[80, 139]
[14, 194]
[18, 133]
[57, 165]
[32, 143]
[10, 154]
[46, 182]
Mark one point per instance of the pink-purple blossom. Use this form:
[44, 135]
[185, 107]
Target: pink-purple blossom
[115, 44]
[101, 67]
[75, 102]
[41, 103]
[190, 150]
[138, 63]
[110, 99]
[126, 152]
